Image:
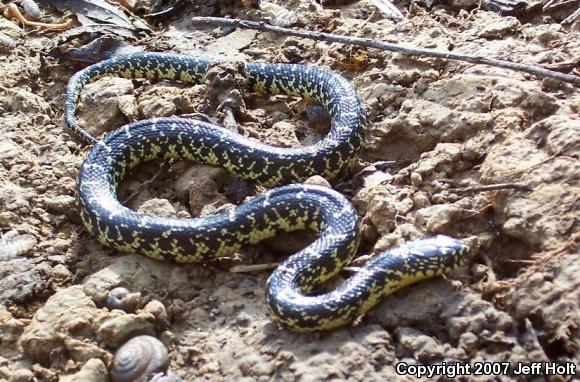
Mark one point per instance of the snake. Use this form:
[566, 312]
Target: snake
[293, 289]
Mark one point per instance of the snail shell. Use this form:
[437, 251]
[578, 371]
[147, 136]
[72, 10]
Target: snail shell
[139, 359]
[165, 378]
[121, 298]
[31, 9]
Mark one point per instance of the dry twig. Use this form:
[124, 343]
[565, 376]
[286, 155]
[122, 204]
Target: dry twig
[12, 11]
[253, 268]
[493, 187]
[370, 43]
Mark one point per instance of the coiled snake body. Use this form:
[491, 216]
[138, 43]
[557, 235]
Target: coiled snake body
[286, 208]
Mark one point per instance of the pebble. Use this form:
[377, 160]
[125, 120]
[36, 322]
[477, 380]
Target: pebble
[66, 312]
[21, 375]
[94, 370]
[158, 207]
[120, 327]
[243, 319]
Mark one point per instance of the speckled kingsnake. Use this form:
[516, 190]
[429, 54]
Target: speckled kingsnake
[287, 208]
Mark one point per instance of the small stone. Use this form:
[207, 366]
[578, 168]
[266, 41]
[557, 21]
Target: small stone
[479, 270]
[283, 134]
[468, 341]
[98, 109]
[420, 200]
[158, 207]
[200, 184]
[156, 107]
[436, 218]
[243, 319]
[21, 375]
[157, 310]
[66, 312]
[416, 179]
[60, 204]
[94, 370]
[117, 329]
[424, 348]
[82, 351]
[318, 181]
[500, 28]
[318, 118]
[61, 273]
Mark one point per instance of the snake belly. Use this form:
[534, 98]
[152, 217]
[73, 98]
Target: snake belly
[288, 208]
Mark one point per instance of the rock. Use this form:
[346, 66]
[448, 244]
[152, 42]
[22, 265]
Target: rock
[318, 181]
[318, 118]
[143, 273]
[559, 134]
[21, 278]
[12, 246]
[537, 219]
[243, 319]
[158, 311]
[420, 200]
[381, 209]
[94, 370]
[198, 174]
[98, 109]
[500, 27]
[61, 204]
[11, 329]
[61, 274]
[158, 102]
[83, 351]
[283, 134]
[68, 313]
[278, 15]
[539, 104]
[158, 207]
[437, 218]
[9, 152]
[416, 179]
[470, 313]
[22, 375]
[202, 185]
[118, 327]
[15, 198]
[423, 348]
[468, 341]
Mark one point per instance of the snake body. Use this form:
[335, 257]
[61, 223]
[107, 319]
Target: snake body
[292, 207]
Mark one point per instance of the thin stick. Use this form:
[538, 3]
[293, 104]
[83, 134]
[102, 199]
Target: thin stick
[12, 11]
[493, 187]
[572, 17]
[253, 268]
[369, 43]
[535, 165]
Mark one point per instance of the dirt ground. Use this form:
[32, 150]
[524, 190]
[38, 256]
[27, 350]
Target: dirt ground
[438, 130]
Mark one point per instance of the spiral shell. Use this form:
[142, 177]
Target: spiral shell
[139, 359]
[165, 378]
[31, 9]
[6, 43]
[121, 298]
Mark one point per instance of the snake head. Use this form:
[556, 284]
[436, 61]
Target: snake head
[435, 255]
